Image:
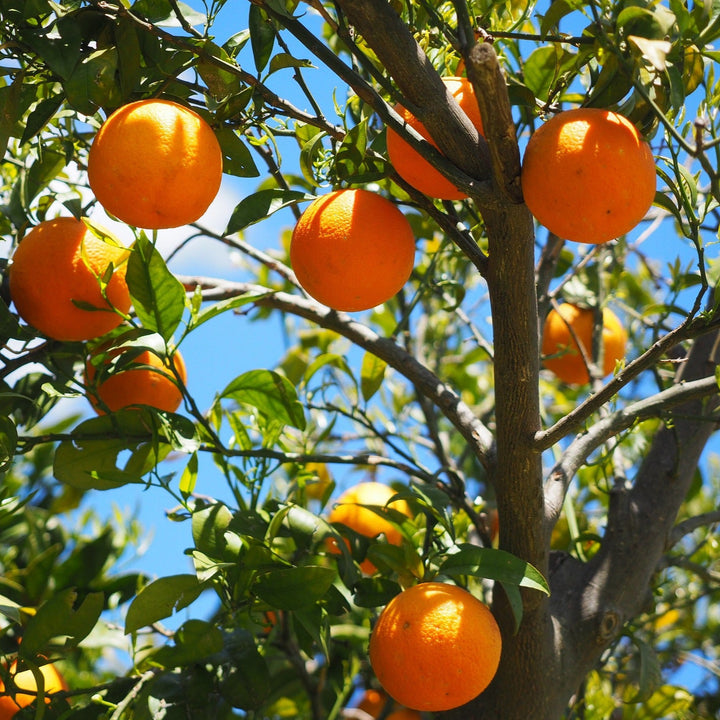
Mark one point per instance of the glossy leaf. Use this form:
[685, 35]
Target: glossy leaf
[90, 458]
[237, 159]
[160, 599]
[290, 588]
[270, 393]
[158, 296]
[261, 205]
[494, 565]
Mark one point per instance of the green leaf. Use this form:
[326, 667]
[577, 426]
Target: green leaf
[372, 374]
[285, 60]
[543, 68]
[219, 308]
[195, 640]
[161, 12]
[158, 296]
[89, 459]
[290, 588]
[494, 565]
[262, 204]
[93, 82]
[648, 675]
[312, 152]
[189, 476]
[654, 24]
[8, 442]
[10, 110]
[371, 592]
[42, 172]
[160, 599]
[59, 617]
[556, 12]
[270, 393]
[39, 117]
[514, 598]
[262, 36]
[247, 685]
[237, 159]
[209, 526]
[129, 61]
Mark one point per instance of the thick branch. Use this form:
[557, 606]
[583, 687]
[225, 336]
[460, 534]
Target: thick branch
[479, 437]
[600, 432]
[424, 91]
[591, 603]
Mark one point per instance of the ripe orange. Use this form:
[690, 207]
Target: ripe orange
[152, 384]
[315, 489]
[352, 250]
[57, 273]
[588, 175]
[435, 647]
[412, 166]
[561, 349]
[155, 164]
[373, 703]
[350, 510]
[25, 680]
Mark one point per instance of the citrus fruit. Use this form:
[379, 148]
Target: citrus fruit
[155, 164]
[317, 486]
[25, 680]
[411, 165]
[352, 250]
[56, 280]
[560, 348]
[588, 175]
[151, 383]
[373, 703]
[435, 647]
[350, 510]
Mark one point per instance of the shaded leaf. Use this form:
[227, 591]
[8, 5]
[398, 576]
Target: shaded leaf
[89, 459]
[262, 36]
[58, 617]
[194, 641]
[8, 442]
[160, 599]
[290, 588]
[262, 204]
[237, 159]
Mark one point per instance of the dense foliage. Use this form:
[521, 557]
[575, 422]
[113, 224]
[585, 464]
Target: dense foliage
[607, 495]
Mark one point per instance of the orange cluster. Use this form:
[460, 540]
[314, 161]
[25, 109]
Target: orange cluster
[153, 164]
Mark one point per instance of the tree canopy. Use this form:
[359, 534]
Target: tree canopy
[584, 514]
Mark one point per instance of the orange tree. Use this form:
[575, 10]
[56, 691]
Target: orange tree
[604, 578]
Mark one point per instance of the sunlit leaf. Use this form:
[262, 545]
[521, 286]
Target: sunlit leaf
[270, 393]
[158, 296]
[372, 374]
[494, 565]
